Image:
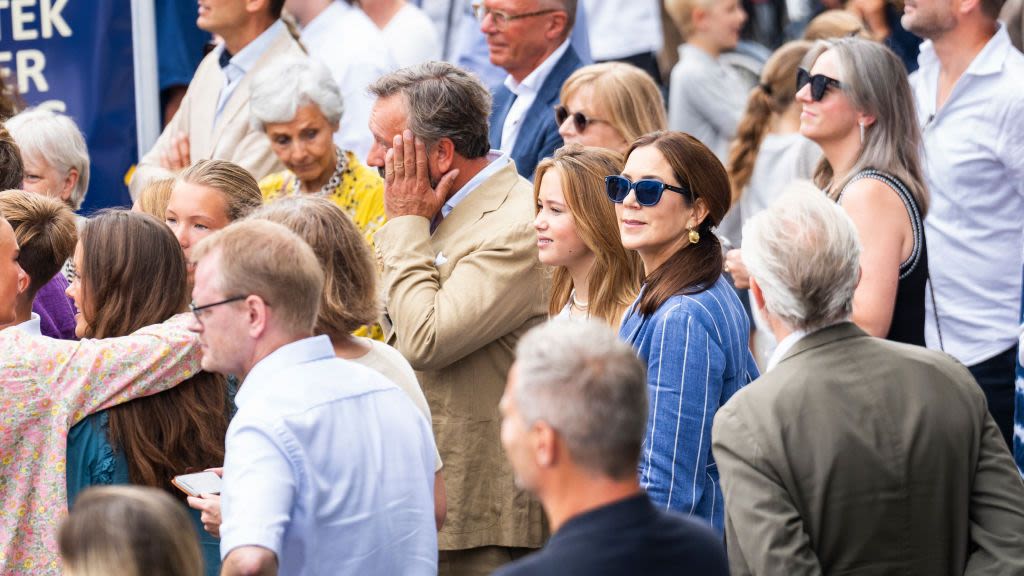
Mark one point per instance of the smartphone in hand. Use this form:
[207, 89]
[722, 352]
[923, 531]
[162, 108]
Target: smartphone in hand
[198, 483]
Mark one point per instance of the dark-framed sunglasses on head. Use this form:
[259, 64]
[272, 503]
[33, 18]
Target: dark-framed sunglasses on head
[579, 119]
[819, 83]
[648, 192]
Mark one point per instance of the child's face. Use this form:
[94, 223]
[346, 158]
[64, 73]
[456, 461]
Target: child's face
[722, 22]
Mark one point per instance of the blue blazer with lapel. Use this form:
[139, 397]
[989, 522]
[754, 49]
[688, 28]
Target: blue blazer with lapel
[538, 136]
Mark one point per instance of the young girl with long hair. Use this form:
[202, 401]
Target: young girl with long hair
[131, 273]
[577, 234]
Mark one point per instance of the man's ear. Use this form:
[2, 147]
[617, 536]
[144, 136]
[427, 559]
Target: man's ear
[257, 6]
[444, 155]
[545, 444]
[966, 6]
[558, 26]
[258, 312]
[755, 291]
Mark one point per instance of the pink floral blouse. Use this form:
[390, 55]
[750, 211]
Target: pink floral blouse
[46, 386]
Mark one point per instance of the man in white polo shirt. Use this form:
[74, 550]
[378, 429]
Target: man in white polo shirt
[970, 100]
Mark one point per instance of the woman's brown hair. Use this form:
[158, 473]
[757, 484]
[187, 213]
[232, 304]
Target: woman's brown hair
[129, 531]
[350, 274]
[775, 93]
[133, 275]
[695, 267]
[616, 274]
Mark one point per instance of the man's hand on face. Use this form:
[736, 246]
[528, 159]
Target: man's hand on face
[407, 187]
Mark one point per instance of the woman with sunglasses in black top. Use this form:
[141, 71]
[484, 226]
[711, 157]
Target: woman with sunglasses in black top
[687, 324]
[857, 105]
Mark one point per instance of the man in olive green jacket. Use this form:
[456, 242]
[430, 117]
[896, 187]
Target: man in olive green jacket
[852, 454]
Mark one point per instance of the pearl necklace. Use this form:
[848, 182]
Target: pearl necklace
[332, 184]
[581, 306]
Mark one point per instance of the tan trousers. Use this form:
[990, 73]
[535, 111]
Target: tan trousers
[477, 561]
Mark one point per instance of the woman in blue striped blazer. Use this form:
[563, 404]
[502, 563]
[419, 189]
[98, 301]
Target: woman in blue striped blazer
[687, 323]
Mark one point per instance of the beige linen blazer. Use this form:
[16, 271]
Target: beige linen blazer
[458, 301]
[859, 456]
[232, 137]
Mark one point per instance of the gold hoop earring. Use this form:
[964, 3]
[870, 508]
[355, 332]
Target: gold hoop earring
[694, 236]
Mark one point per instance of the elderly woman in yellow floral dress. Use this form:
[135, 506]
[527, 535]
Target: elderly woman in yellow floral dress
[298, 105]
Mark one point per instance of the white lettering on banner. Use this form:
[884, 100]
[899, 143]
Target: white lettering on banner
[30, 65]
[51, 18]
[20, 18]
[30, 20]
[23, 18]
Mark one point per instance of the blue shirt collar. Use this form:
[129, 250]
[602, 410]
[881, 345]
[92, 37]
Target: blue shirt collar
[251, 53]
[497, 159]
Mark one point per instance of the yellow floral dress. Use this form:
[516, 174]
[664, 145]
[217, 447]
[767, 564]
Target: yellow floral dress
[360, 194]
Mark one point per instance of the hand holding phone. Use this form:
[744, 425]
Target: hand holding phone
[199, 483]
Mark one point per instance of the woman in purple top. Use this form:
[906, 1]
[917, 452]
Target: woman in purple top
[56, 311]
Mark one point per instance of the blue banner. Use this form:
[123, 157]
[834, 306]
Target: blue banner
[75, 57]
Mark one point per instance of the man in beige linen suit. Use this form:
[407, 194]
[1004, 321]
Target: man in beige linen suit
[463, 283]
[213, 120]
[854, 455]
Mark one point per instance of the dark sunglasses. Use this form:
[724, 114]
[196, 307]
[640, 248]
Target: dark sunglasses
[648, 192]
[819, 83]
[579, 119]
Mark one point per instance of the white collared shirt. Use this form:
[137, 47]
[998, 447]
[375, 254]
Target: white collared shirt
[497, 160]
[783, 348]
[32, 326]
[330, 466]
[355, 51]
[241, 63]
[620, 28]
[974, 167]
[526, 92]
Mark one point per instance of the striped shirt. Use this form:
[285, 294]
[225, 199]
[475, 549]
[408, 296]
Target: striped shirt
[697, 356]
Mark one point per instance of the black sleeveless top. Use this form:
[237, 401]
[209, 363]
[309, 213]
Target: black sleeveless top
[908, 315]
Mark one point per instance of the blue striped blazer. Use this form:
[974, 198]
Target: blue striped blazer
[697, 356]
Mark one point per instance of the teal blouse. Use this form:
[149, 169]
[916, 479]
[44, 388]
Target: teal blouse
[93, 461]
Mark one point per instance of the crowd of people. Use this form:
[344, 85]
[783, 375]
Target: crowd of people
[425, 287]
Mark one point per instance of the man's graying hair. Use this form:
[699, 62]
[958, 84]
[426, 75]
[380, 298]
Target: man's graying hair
[443, 102]
[584, 382]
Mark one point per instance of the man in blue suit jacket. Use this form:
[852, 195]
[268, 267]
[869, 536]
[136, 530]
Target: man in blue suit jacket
[530, 40]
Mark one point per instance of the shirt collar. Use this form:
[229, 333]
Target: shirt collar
[496, 161]
[248, 56]
[263, 373]
[532, 83]
[989, 61]
[31, 326]
[783, 347]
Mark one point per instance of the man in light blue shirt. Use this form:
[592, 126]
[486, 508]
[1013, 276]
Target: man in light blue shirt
[329, 467]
